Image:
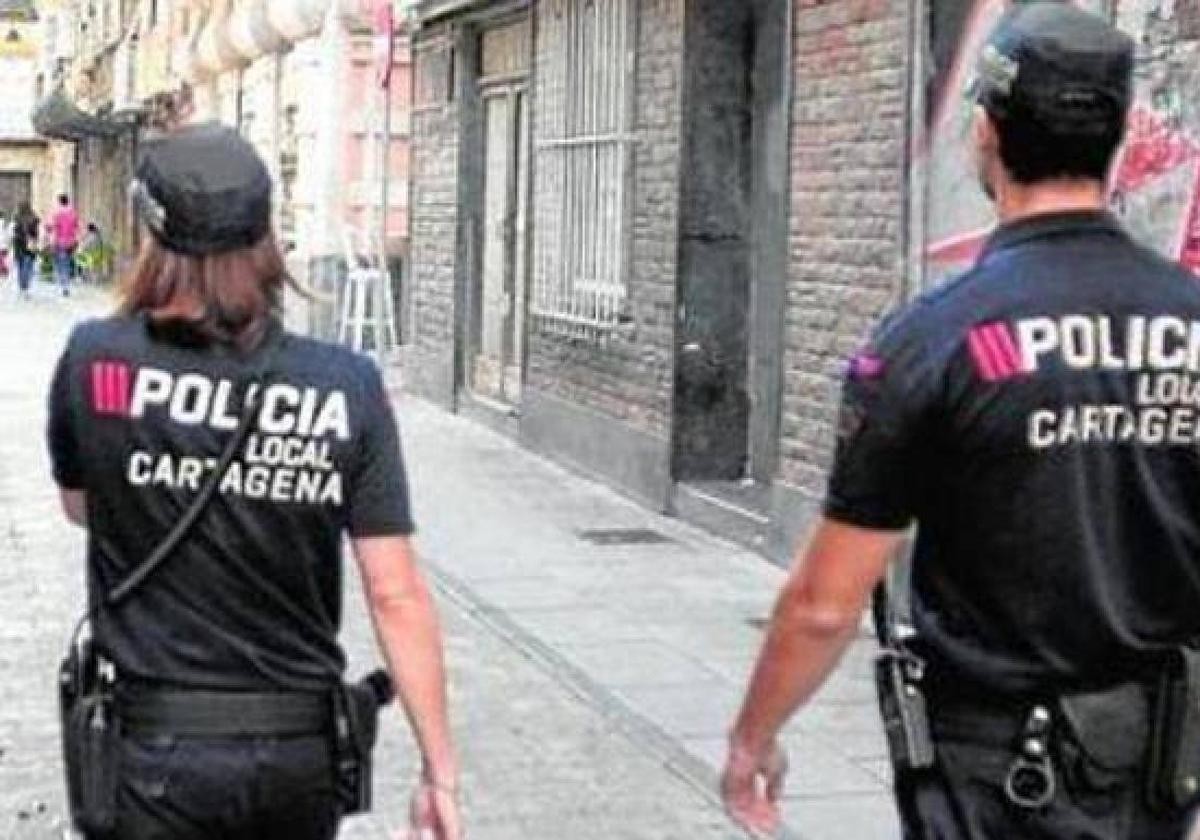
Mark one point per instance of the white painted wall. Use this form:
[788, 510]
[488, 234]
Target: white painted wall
[16, 105]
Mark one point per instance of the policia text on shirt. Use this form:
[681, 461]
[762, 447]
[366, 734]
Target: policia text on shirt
[287, 460]
[1160, 355]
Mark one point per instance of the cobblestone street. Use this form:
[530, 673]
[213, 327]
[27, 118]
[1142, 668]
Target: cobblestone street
[589, 694]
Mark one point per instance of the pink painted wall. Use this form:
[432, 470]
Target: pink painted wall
[362, 84]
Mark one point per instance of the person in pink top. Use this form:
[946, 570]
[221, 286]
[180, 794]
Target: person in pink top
[64, 238]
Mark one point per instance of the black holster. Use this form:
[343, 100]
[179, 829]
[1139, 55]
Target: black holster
[91, 738]
[356, 728]
[1173, 765]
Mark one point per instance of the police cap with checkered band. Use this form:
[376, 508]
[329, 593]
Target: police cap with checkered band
[203, 190]
[1058, 66]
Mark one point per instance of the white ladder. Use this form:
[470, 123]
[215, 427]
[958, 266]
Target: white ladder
[366, 322]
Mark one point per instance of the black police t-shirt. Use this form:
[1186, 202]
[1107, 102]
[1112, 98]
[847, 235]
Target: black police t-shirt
[1039, 418]
[252, 599]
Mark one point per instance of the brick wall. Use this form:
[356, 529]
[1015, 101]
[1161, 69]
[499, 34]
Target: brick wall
[847, 151]
[434, 214]
[627, 374]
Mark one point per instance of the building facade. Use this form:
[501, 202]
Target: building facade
[299, 78]
[85, 111]
[25, 173]
[647, 234]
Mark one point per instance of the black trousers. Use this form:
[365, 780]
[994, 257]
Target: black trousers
[220, 789]
[962, 798]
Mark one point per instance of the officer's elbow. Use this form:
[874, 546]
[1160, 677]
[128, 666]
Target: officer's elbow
[807, 613]
[392, 584]
[396, 599]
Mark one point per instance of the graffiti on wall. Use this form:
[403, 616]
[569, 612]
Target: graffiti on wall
[1156, 179]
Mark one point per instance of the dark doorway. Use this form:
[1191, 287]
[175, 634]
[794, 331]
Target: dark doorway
[15, 188]
[733, 243]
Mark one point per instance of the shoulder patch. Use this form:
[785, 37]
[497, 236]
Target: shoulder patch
[865, 366]
[994, 352]
[109, 387]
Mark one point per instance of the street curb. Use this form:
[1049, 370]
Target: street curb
[634, 726]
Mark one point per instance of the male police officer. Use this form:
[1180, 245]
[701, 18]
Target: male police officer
[1038, 419]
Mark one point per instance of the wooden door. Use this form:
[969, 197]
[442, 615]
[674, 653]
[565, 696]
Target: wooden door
[496, 367]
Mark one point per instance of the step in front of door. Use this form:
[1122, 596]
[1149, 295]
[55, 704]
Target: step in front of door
[722, 513]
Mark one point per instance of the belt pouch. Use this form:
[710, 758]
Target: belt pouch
[90, 740]
[1173, 766]
[1110, 726]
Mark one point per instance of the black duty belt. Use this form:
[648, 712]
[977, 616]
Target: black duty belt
[987, 726]
[198, 714]
[995, 721]
[991, 723]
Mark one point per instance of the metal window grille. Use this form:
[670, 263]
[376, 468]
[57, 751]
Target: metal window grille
[584, 157]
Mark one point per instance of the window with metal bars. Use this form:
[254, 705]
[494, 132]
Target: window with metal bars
[584, 153]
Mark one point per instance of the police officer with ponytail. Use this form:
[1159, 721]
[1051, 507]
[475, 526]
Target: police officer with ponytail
[1031, 419]
[217, 461]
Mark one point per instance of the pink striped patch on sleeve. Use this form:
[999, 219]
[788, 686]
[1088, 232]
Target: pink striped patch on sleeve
[994, 352]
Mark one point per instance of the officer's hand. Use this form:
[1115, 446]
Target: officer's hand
[433, 814]
[752, 785]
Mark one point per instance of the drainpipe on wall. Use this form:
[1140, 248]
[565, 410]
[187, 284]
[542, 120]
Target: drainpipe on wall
[898, 584]
[465, 69]
[384, 23]
[325, 236]
[913, 201]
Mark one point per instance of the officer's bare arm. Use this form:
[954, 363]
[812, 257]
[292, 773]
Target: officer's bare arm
[74, 505]
[816, 616]
[406, 625]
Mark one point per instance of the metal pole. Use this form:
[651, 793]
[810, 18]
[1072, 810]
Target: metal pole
[385, 154]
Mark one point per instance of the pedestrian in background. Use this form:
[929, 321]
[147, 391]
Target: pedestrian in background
[6, 259]
[92, 256]
[1034, 419]
[228, 669]
[25, 234]
[64, 238]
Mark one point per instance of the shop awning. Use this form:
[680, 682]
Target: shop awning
[57, 116]
[21, 10]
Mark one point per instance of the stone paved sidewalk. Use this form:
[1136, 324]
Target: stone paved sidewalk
[661, 635]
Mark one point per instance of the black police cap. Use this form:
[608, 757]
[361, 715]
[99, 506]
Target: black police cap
[203, 190]
[1054, 64]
